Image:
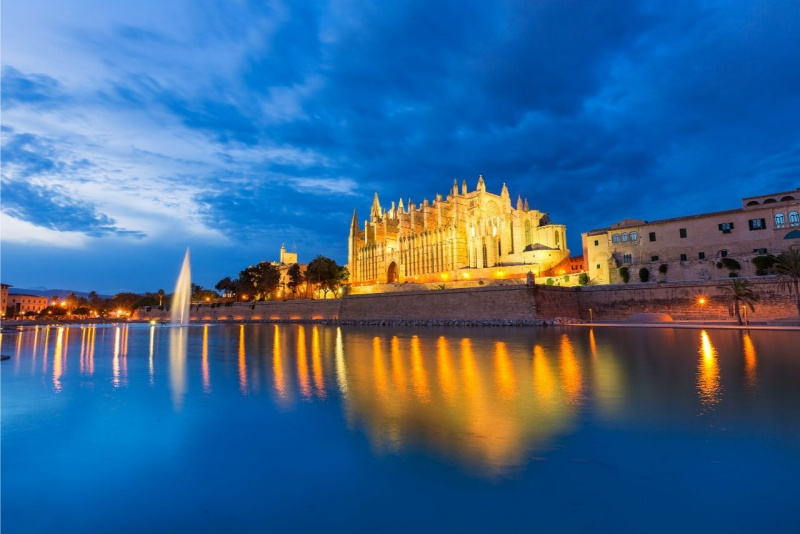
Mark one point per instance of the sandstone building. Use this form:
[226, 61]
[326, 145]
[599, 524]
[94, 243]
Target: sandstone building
[693, 247]
[463, 235]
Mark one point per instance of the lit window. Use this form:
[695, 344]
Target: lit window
[780, 220]
[794, 218]
[615, 238]
[634, 236]
[625, 237]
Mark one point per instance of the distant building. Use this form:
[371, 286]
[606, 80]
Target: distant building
[4, 298]
[467, 234]
[694, 247]
[22, 304]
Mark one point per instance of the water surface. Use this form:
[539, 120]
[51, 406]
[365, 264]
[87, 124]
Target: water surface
[292, 428]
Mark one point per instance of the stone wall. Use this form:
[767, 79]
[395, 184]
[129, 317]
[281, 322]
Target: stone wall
[680, 300]
[290, 310]
[512, 302]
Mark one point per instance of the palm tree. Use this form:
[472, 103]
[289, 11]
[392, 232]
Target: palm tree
[161, 294]
[740, 290]
[787, 265]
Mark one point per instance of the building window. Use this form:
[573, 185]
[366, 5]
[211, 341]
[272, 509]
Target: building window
[627, 258]
[615, 238]
[634, 236]
[683, 257]
[780, 220]
[757, 224]
[625, 237]
[760, 251]
[726, 228]
[485, 257]
[653, 258]
[596, 242]
[683, 232]
[702, 255]
[794, 218]
[723, 253]
[499, 249]
[652, 236]
[598, 265]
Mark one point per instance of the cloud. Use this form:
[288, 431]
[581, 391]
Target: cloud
[34, 90]
[53, 208]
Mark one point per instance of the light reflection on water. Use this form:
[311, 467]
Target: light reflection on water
[487, 402]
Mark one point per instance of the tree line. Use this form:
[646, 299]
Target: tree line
[263, 281]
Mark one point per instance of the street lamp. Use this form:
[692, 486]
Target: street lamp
[702, 301]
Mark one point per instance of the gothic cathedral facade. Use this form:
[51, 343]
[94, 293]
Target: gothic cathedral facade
[467, 235]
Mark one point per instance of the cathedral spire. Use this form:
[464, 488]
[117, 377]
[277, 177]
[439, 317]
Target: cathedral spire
[400, 207]
[481, 184]
[455, 187]
[375, 212]
[519, 202]
[526, 205]
[504, 192]
[464, 187]
[354, 224]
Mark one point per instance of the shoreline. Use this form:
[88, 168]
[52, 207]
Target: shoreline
[9, 327]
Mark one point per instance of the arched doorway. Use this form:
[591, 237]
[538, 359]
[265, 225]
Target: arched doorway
[391, 276]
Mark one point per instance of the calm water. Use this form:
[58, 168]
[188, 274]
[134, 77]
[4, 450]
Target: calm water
[265, 428]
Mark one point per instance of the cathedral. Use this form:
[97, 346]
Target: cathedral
[468, 235]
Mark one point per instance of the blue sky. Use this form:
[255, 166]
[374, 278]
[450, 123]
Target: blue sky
[133, 130]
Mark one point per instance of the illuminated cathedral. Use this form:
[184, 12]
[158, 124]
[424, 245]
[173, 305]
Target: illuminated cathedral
[471, 234]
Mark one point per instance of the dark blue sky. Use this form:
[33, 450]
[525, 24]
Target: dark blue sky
[132, 131]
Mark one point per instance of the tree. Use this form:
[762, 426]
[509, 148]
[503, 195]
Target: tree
[327, 274]
[624, 274]
[161, 294]
[740, 290]
[295, 278]
[644, 274]
[787, 266]
[227, 286]
[583, 279]
[124, 301]
[262, 280]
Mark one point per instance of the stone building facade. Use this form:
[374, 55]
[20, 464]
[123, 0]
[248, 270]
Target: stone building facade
[694, 247]
[465, 234]
[18, 304]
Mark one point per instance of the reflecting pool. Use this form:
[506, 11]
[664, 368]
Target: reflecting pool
[292, 428]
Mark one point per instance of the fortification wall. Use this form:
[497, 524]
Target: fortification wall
[290, 310]
[680, 300]
[511, 302]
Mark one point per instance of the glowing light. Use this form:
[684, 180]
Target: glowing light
[302, 363]
[242, 362]
[316, 363]
[153, 322]
[465, 275]
[701, 300]
[708, 379]
[571, 371]
[750, 360]
[277, 364]
[206, 373]
[504, 371]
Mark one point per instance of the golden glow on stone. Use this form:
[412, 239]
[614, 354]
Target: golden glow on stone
[302, 364]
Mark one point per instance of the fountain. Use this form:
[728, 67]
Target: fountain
[182, 298]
